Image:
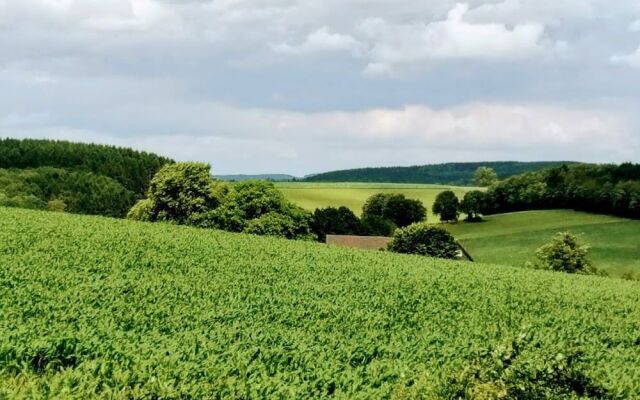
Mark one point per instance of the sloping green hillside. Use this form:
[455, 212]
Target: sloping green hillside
[442, 174]
[95, 307]
[513, 238]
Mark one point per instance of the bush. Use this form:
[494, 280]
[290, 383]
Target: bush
[446, 206]
[520, 369]
[56, 205]
[473, 205]
[141, 211]
[334, 221]
[395, 208]
[565, 253]
[426, 240]
[255, 198]
[181, 191]
[373, 225]
[272, 224]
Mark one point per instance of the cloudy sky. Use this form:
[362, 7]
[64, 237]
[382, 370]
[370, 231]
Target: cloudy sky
[303, 86]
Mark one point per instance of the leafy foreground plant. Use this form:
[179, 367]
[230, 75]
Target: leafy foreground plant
[523, 370]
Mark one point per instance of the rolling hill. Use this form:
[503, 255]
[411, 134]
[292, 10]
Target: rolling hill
[443, 174]
[512, 239]
[92, 307]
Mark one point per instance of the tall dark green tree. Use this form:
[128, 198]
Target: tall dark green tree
[473, 205]
[446, 206]
[335, 221]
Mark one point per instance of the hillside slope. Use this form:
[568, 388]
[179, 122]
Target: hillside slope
[96, 307]
[512, 239]
[443, 174]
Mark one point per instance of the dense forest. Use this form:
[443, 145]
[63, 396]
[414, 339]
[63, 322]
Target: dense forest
[74, 177]
[445, 174]
[133, 169]
[603, 189]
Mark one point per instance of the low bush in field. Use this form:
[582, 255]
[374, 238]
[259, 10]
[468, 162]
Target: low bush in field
[426, 240]
[565, 253]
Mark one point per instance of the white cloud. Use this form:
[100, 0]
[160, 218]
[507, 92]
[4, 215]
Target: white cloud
[635, 26]
[631, 60]
[321, 40]
[453, 38]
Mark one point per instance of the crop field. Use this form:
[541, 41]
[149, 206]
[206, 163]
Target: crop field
[353, 195]
[513, 238]
[93, 307]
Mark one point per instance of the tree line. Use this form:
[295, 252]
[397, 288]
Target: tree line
[602, 189]
[446, 174]
[132, 169]
[74, 177]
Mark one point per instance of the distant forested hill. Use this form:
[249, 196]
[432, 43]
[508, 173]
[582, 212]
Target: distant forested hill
[133, 169]
[74, 177]
[447, 174]
[265, 177]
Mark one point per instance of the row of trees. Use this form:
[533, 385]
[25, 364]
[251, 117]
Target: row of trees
[382, 214]
[186, 194]
[604, 189]
[448, 207]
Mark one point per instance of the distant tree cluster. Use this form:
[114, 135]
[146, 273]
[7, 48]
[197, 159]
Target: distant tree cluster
[58, 189]
[186, 194]
[382, 214]
[132, 169]
[604, 189]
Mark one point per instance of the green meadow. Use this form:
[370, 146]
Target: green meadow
[512, 239]
[353, 195]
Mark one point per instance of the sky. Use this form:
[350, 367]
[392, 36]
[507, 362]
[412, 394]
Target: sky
[306, 86]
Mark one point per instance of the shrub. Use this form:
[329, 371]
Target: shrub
[141, 211]
[56, 205]
[473, 205]
[334, 221]
[271, 224]
[521, 370]
[255, 198]
[565, 253]
[426, 240]
[373, 225]
[446, 206]
[178, 192]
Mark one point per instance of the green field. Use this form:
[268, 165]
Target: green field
[353, 195]
[512, 238]
[96, 307]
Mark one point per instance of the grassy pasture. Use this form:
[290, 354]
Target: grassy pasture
[512, 239]
[93, 307]
[353, 195]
